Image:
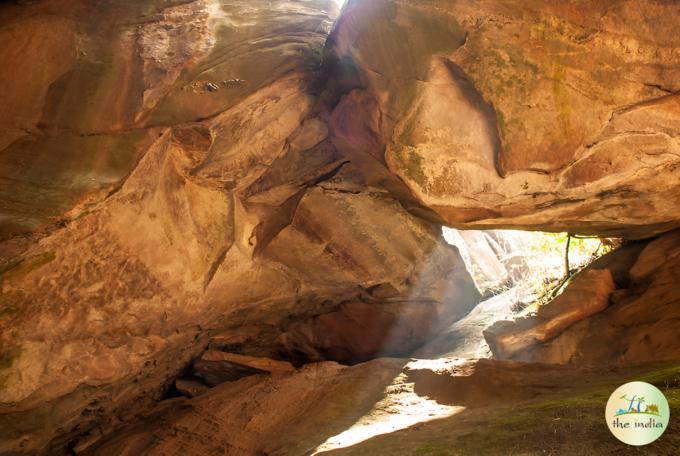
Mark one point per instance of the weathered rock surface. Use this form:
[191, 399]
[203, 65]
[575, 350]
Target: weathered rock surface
[87, 88]
[215, 367]
[423, 403]
[638, 327]
[586, 295]
[256, 415]
[546, 423]
[236, 208]
[531, 114]
[190, 388]
[177, 176]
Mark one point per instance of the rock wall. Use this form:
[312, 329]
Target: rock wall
[177, 176]
[177, 168]
[550, 115]
[640, 324]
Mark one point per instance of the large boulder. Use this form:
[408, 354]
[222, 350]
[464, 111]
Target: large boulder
[216, 367]
[638, 326]
[528, 114]
[587, 295]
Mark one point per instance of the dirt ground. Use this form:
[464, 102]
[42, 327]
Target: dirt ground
[568, 421]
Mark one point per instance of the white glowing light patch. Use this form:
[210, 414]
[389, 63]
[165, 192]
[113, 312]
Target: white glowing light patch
[400, 409]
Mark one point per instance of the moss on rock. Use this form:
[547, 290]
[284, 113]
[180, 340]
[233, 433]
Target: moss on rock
[24, 266]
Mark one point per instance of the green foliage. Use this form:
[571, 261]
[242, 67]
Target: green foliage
[546, 258]
[581, 249]
[414, 167]
[553, 426]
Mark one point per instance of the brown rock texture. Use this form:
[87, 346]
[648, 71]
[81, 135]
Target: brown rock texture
[638, 327]
[256, 415]
[190, 388]
[177, 168]
[384, 406]
[209, 189]
[534, 114]
[215, 367]
[587, 295]
[87, 88]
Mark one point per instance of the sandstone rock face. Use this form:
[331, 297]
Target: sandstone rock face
[586, 295]
[215, 367]
[361, 330]
[177, 177]
[87, 87]
[191, 156]
[532, 114]
[324, 407]
[638, 327]
[256, 415]
[190, 388]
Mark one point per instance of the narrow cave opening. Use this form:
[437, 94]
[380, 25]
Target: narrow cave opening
[516, 272]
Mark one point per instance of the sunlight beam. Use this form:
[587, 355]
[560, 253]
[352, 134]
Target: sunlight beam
[399, 409]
